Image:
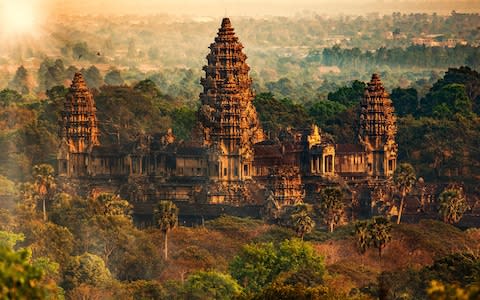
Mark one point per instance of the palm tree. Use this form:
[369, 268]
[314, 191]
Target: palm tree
[43, 184]
[404, 178]
[331, 207]
[363, 236]
[452, 205]
[166, 216]
[302, 223]
[380, 231]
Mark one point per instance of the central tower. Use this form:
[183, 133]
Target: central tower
[378, 129]
[228, 121]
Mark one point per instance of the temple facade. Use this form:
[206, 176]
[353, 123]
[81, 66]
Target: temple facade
[229, 162]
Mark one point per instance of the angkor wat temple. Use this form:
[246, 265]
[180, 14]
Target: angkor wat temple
[229, 165]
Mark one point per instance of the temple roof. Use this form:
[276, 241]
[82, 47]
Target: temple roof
[78, 83]
[349, 148]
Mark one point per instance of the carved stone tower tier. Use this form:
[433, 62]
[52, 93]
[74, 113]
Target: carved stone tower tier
[378, 129]
[228, 120]
[79, 131]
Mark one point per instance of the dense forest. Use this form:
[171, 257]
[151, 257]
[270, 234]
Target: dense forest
[55, 244]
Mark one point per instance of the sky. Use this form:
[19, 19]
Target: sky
[255, 7]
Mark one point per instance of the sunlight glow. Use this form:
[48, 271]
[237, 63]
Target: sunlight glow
[18, 17]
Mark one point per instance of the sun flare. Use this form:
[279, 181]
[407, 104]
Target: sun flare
[18, 17]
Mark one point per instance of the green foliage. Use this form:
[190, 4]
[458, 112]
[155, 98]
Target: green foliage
[7, 187]
[275, 234]
[331, 207]
[405, 101]
[114, 77]
[279, 114]
[447, 101]
[86, 269]
[452, 205]
[234, 226]
[10, 239]
[48, 240]
[166, 218]
[19, 279]
[21, 82]
[440, 291]
[302, 223]
[211, 285]
[184, 119]
[380, 233]
[322, 110]
[259, 264]
[166, 215]
[349, 96]
[404, 179]
[113, 205]
[281, 291]
[9, 97]
[117, 107]
[254, 267]
[375, 232]
[143, 289]
[93, 78]
[455, 271]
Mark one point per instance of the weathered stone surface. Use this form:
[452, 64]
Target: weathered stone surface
[228, 163]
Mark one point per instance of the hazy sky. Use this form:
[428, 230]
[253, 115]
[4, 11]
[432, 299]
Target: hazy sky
[256, 7]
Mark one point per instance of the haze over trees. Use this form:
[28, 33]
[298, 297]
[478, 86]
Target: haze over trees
[306, 69]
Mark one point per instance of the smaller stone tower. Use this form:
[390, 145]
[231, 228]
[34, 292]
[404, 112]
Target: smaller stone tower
[79, 131]
[378, 129]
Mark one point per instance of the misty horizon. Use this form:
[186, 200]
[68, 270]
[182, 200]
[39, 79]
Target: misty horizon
[218, 8]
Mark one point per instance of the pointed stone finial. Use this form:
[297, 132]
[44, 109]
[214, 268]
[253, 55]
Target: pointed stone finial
[78, 82]
[226, 23]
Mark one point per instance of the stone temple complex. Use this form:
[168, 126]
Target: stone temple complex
[229, 166]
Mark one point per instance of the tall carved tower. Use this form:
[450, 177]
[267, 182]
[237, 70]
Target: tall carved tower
[378, 129]
[79, 131]
[228, 120]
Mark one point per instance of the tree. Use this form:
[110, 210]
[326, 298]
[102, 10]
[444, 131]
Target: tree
[21, 81]
[375, 232]
[166, 215]
[331, 207]
[93, 78]
[380, 232]
[112, 223]
[404, 178]
[86, 269]
[253, 268]
[348, 96]
[439, 290]
[43, 184]
[113, 77]
[277, 114]
[445, 102]
[405, 101]
[323, 110]
[363, 238]
[211, 285]
[302, 223]
[143, 289]
[452, 205]
[8, 97]
[259, 264]
[20, 278]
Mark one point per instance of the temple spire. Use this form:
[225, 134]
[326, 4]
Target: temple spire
[79, 121]
[227, 118]
[378, 128]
